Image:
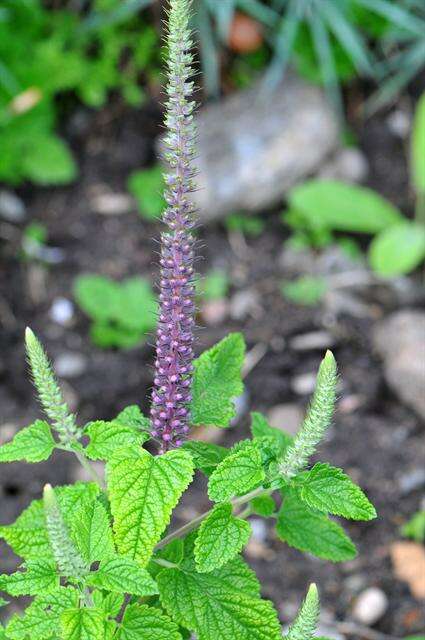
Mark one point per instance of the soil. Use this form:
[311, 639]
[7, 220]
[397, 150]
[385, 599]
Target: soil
[375, 438]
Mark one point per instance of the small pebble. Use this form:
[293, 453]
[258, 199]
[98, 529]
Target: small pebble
[12, 208]
[241, 406]
[245, 303]
[349, 165]
[214, 312]
[7, 432]
[370, 606]
[70, 365]
[259, 529]
[304, 384]
[311, 341]
[399, 123]
[111, 204]
[62, 311]
[411, 481]
[287, 417]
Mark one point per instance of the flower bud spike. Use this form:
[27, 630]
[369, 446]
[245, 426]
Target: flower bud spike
[174, 353]
[306, 621]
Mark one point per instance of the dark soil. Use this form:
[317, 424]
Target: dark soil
[377, 444]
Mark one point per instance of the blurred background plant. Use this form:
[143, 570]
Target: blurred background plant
[77, 50]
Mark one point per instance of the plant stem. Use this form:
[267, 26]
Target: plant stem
[165, 563]
[190, 526]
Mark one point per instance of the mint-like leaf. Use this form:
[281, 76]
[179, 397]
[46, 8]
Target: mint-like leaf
[329, 489]
[260, 428]
[39, 577]
[221, 537]
[263, 506]
[144, 490]
[141, 621]
[92, 532]
[217, 381]
[82, 624]
[237, 474]
[107, 437]
[32, 444]
[206, 455]
[312, 532]
[123, 575]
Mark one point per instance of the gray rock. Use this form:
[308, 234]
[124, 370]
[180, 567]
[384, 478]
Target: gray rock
[253, 147]
[62, 311]
[70, 364]
[12, 208]
[245, 303]
[400, 340]
[304, 384]
[259, 529]
[311, 341]
[111, 204]
[411, 481]
[287, 417]
[348, 164]
[370, 606]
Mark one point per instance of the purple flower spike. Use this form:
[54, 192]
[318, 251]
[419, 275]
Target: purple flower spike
[174, 346]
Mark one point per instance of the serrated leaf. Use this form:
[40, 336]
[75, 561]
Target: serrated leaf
[131, 416]
[263, 506]
[123, 575]
[143, 491]
[92, 533]
[219, 605]
[220, 538]
[32, 444]
[330, 490]
[28, 535]
[260, 428]
[141, 621]
[398, 250]
[237, 474]
[107, 437]
[41, 618]
[312, 532]
[217, 382]
[82, 624]
[206, 455]
[38, 578]
[109, 603]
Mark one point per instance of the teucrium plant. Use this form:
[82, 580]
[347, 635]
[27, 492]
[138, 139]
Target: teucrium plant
[98, 557]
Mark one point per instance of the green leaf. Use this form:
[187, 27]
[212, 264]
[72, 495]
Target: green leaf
[330, 490]
[217, 381]
[306, 621]
[305, 290]
[107, 437]
[38, 578]
[137, 305]
[92, 533]
[237, 474]
[28, 534]
[260, 428]
[48, 160]
[312, 532]
[147, 186]
[220, 538]
[398, 250]
[206, 455]
[131, 416]
[82, 624]
[342, 207]
[263, 506]
[144, 490]
[97, 296]
[33, 444]
[41, 618]
[418, 146]
[123, 575]
[109, 603]
[415, 528]
[141, 621]
[219, 605]
[3, 602]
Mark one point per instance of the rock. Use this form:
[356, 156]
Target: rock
[7, 432]
[62, 311]
[12, 208]
[214, 312]
[409, 565]
[245, 303]
[399, 123]
[399, 339]
[241, 406]
[328, 632]
[111, 204]
[70, 365]
[259, 529]
[304, 384]
[254, 146]
[370, 606]
[314, 340]
[287, 417]
[348, 164]
[412, 481]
